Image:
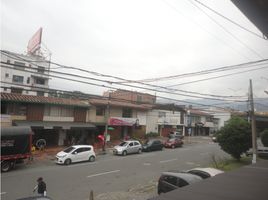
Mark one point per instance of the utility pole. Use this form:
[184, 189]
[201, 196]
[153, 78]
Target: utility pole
[107, 115]
[253, 124]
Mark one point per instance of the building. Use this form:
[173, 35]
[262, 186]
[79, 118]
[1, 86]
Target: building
[57, 120]
[199, 123]
[125, 118]
[164, 118]
[24, 74]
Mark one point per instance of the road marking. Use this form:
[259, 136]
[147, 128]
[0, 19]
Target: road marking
[147, 164]
[257, 167]
[190, 163]
[3, 193]
[100, 174]
[165, 161]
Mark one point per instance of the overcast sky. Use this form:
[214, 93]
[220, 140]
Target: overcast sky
[140, 39]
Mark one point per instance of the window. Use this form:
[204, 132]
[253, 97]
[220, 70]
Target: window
[58, 111]
[40, 81]
[16, 90]
[171, 179]
[139, 98]
[28, 80]
[87, 149]
[182, 183]
[136, 143]
[7, 75]
[100, 111]
[131, 144]
[41, 70]
[17, 79]
[161, 114]
[19, 65]
[40, 93]
[127, 112]
[13, 109]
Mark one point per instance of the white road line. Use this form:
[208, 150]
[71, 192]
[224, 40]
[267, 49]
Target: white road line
[190, 163]
[100, 174]
[147, 164]
[3, 193]
[165, 161]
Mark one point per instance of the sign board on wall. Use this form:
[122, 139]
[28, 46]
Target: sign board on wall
[120, 121]
[35, 42]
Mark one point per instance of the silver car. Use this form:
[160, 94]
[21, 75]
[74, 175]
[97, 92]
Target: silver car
[128, 147]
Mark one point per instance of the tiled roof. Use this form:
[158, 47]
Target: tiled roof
[120, 104]
[12, 97]
[198, 112]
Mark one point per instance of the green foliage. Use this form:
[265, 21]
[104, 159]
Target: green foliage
[264, 137]
[152, 134]
[235, 137]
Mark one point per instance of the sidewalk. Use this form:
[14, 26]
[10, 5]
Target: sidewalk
[49, 153]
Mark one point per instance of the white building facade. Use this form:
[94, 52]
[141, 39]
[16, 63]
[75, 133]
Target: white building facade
[24, 74]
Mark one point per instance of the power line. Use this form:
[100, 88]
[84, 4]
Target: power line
[136, 86]
[226, 30]
[90, 83]
[206, 79]
[205, 72]
[228, 19]
[156, 86]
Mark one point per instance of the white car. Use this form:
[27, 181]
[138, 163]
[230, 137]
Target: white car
[128, 147]
[76, 153]
[205, 172]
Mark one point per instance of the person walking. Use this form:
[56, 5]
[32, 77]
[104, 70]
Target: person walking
[41, 187]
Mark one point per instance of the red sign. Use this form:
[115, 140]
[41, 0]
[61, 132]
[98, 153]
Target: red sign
[35, 42]
[118, 121]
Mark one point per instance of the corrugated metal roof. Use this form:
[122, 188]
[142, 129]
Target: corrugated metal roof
[12, 97]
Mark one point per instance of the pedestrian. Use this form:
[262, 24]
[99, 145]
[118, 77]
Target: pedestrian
[41, 187]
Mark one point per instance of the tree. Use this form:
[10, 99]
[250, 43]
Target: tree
[264, 137]
[235, 137]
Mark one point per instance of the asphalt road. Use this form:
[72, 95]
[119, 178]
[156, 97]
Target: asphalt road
[110, 177]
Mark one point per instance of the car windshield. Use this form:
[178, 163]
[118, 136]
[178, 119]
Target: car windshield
[123, 144]
[171, 140]
[69, 149]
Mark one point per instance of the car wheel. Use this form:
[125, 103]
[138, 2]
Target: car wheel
[68, 161]
[124, 153]
[91, 158]
[6, 166]
[139, 151]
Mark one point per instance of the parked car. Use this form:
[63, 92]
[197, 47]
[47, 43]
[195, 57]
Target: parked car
[214, 138]
[169, 181]
[173, 142]
[128, 147]
[205, 172]
[76, 153]
[175, 134]
[152, 145]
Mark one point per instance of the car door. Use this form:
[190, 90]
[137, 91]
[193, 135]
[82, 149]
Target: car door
[130, 148]
[136, 147]
[169, 183]
[85, 154]
[77, 155]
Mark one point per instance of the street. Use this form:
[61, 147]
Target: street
[110, 177]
